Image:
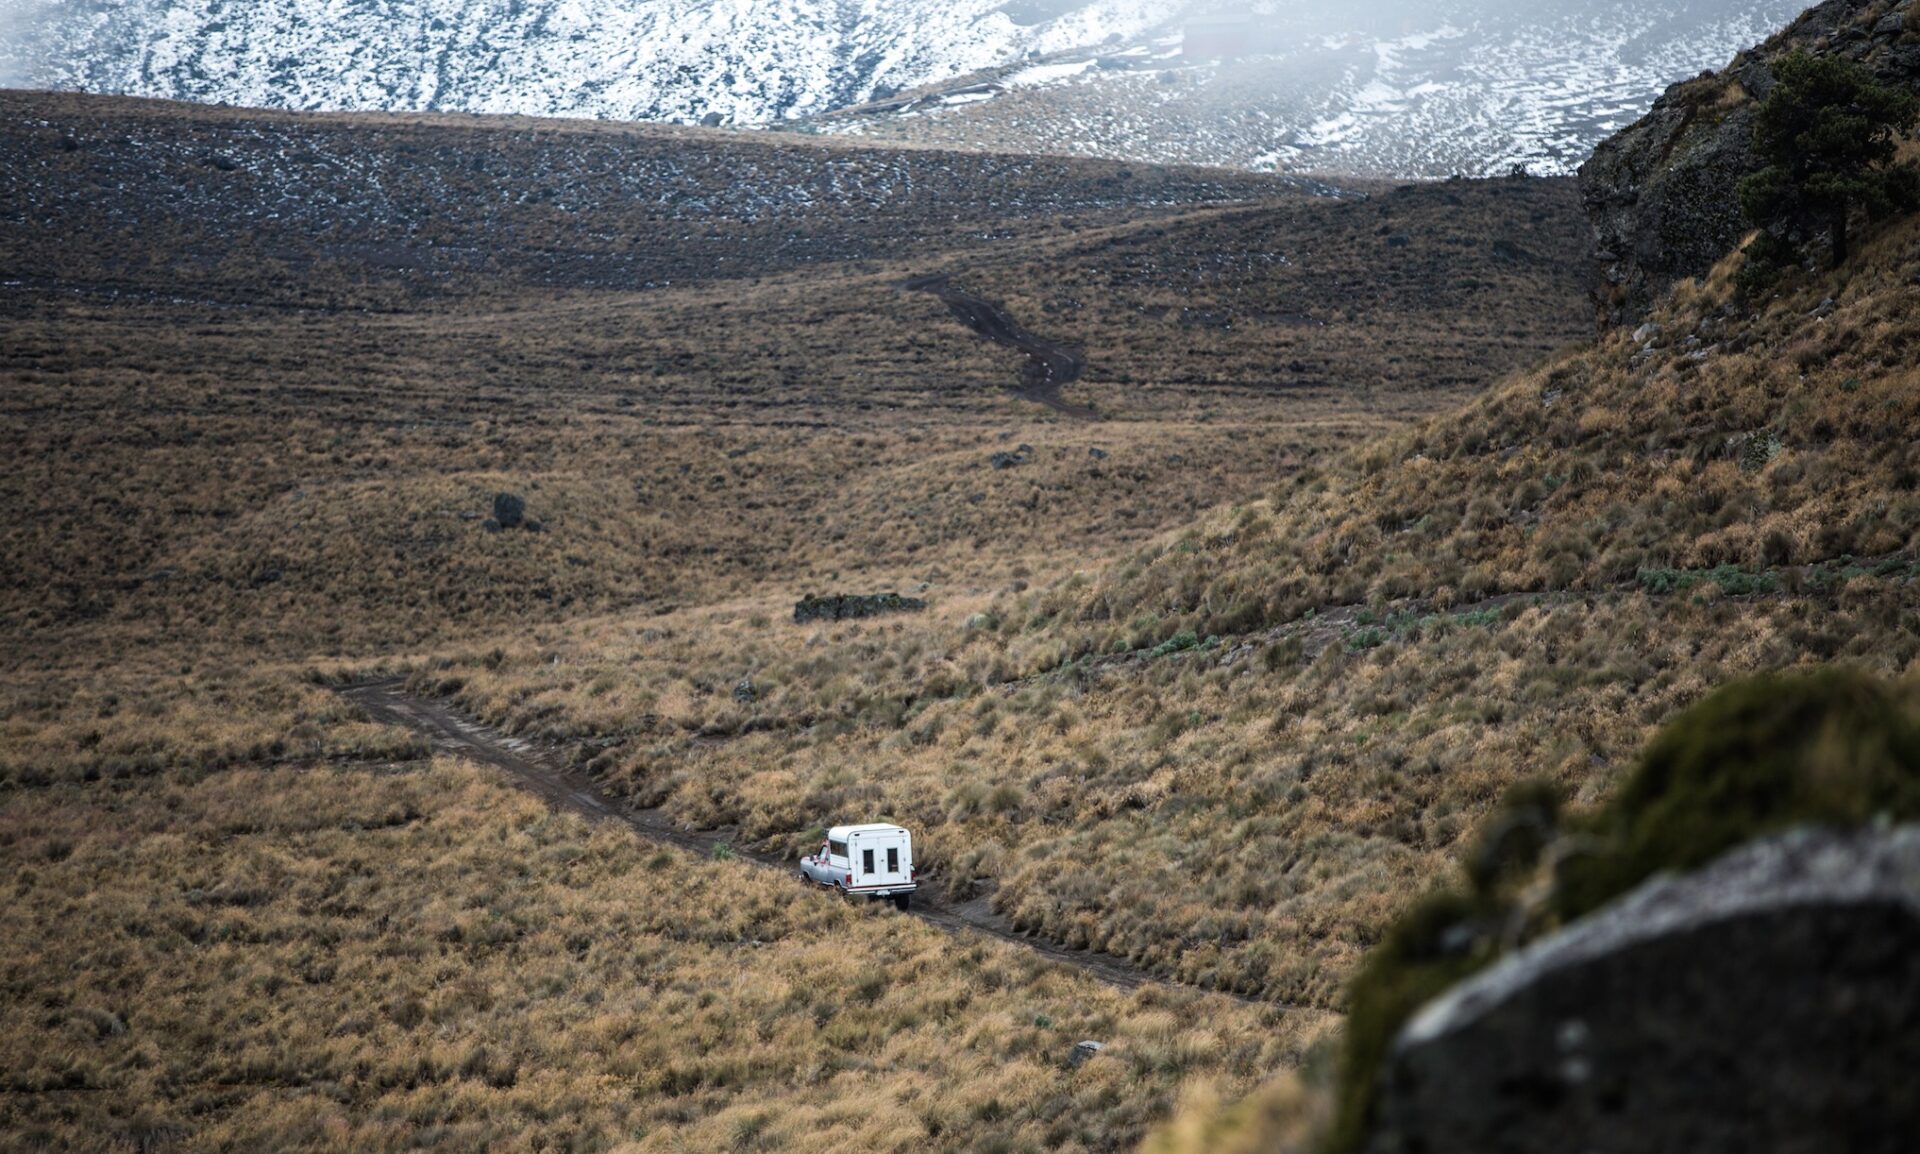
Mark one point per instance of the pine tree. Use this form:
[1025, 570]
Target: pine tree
[1830, 134]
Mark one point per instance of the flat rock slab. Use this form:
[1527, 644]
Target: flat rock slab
[1769, 1002]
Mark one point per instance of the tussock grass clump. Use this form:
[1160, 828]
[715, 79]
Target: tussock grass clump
[143, 719]
[1732, 442]
[1527, 587]
[378, 957]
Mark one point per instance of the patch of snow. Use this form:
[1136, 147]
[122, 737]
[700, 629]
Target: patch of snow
[1043, 74]
[751, 61]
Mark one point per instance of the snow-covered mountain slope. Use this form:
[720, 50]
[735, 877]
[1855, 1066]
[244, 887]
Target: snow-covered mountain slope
[748, 61]
[1475, 87]
[1373, 87]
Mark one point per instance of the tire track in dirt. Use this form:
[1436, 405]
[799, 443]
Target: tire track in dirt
[542, 771]
[1050, 366]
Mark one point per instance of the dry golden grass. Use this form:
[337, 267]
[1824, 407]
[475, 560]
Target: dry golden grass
[1778, 439]
[1251, 817]
[212, 509]
[377, 957]
[203, 461]
[134, 718]
[249, 455]
[1253, 814]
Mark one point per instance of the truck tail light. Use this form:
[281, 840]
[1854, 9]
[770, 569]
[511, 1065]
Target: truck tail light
[849, 879]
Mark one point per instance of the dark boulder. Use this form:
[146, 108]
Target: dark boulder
[1663, 194]
[850, 606]
[1767, 1002]
[1005, 460]
[509, 510]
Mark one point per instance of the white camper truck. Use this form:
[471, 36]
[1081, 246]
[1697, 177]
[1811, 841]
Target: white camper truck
[875, 860]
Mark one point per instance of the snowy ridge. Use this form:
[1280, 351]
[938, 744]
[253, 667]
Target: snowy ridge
[1540, 96]
[748, 61]
[1396, 88]
[1472, 87]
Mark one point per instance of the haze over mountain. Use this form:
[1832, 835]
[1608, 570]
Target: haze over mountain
[1386, 88]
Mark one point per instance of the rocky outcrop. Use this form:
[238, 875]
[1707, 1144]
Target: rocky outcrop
[1768, 1002]
[848, 606]
[1664, 193]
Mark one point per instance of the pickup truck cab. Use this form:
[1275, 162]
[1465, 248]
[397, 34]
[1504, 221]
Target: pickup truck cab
[874, 859]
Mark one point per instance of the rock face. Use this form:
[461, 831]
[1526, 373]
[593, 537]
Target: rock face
[1664, 193]
[1769, 1002]
[848, 606]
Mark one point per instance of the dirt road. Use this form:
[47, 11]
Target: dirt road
[1050, 366]
[542, 771]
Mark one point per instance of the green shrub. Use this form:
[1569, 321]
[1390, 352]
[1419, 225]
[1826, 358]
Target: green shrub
[1830, 132]
[1834, 748]
[1732, 580]
[1371, 637]
[1180, 642]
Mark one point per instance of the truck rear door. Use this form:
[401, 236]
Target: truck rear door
[887, 859]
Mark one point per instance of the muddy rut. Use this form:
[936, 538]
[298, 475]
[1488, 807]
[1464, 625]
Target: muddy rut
[541, 770]
[1050, 367]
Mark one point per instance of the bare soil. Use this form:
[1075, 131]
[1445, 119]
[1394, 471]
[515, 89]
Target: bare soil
[1050, 367]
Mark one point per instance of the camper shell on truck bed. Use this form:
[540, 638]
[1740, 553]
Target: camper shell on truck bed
[874, 859]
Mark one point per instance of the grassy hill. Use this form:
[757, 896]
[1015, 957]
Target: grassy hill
[208, 444]
[1219, 682]
[263, 377]
[1366, 539]
[1233, 754]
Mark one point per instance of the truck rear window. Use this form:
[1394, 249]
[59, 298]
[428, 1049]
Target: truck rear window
[866, 861]
[893, 859]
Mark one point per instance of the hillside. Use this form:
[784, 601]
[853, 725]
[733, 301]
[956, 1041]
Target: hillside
[138, 196]
[260, 406]
[308, 406]
[1364, 528]
[1232, 755]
